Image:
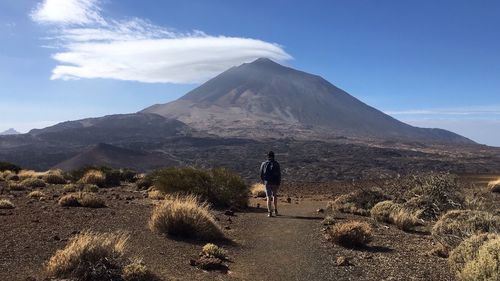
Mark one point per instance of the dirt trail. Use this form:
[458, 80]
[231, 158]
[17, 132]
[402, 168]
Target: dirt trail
[286, 247]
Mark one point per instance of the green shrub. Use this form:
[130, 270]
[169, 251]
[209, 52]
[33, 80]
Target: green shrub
[220, 187]
[6, 166]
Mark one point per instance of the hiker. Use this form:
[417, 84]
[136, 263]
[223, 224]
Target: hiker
[270, 174]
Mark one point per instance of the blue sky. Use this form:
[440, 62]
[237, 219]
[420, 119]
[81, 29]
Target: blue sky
[429, 63]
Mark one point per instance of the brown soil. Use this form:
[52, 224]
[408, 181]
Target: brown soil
[288, 247]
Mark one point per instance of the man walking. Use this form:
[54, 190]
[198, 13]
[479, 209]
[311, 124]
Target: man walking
[270, 174]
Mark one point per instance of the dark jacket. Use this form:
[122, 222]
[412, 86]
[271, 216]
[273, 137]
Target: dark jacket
[275, 176]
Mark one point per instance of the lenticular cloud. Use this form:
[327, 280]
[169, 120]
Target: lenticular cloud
[137, 50]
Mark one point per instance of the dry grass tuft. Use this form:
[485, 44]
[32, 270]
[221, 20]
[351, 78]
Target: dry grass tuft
[397, 214]
[494, 186]
[358, 202]
[30, 174]
[36, 194]
[89, 256]
[71, 187]
[14, 186]
[468, 250]
[54, 177]
[185, 217]
[350, 234]
[6, 204]
[82, 199]
[486, 265]
[137, 271]
[457, 225]
[90, 188]
[94, 177]
[33, 182]
[258, 190]
[156, 195]
[215, 251]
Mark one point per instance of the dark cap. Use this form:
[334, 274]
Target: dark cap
[270, 154]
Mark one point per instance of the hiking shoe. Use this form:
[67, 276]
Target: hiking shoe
[270, 214]
[276, 212]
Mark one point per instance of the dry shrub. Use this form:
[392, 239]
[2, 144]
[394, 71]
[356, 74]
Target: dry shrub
[71, 187]
[433, 194]
[468, 250]
[82, 199]
[185, 217]
[89, 256]
[10, 176]
[13, 186]
[494, 186]
[54, 177]
[328, 220]
[137, 271]
[457, 225]
[156, 195]
[36, 194]
[215, 251]
[90, 188]
[69, 200]
[349, 234]
[94, 177]
[486, 265]
[144, 183]
[90, 200]
[258, 190]
[6, 204]
[358, 202]
[30, 174]
[397, 214]
[33, 182]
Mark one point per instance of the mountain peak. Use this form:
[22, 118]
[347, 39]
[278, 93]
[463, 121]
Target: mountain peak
[10, 131]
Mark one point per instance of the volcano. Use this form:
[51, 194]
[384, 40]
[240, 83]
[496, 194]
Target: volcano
[266, 99]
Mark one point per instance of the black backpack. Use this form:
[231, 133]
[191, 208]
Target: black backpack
[271, 171]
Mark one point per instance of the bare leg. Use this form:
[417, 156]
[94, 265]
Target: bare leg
[269, 204]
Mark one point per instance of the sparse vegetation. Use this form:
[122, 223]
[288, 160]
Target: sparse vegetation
[258, 190]
[89, 256]
[350, 234]
[433, 194]
[10, 176]
[358, 202]
[14, 186]
[468, 250]
[220, 187]
[185, 217]
[71, 187]
[36, 194]
[144, 183]
[213, 250]
[457, 225]
[94, 177]
[494, 186]
[6, 204]
[486, 265]
[90, 188]
[394, 213]
[83, 199]
[30, 174]
[137, 271]
[54, 177]
[156, 195]
[33, 182]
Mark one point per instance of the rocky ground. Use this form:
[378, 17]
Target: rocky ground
[288, 247]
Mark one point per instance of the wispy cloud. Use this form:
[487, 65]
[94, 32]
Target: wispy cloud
[458, 111]
[135, 49]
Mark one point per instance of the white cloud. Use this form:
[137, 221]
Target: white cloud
[138, 50]
[68, 12]
[459, 111]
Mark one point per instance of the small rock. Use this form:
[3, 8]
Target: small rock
[56, 238]
[229, 220]
[289, 200]
[258, 205]
[128, 198]
[342, 261]
[192, 262]
[227, 227]
[320, 211]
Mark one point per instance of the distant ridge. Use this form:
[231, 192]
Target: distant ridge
[10, 131]
[265, 98]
